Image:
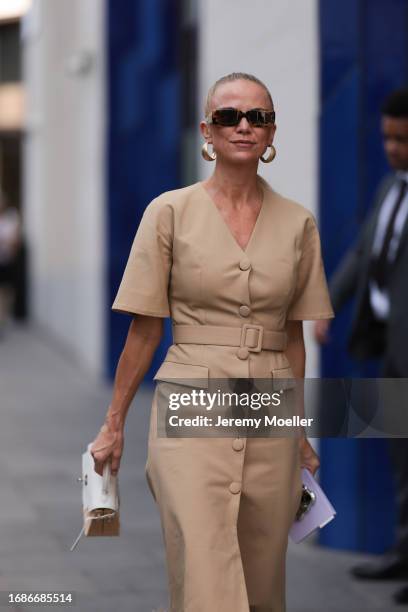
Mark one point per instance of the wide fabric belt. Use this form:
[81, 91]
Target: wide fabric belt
[254, 337]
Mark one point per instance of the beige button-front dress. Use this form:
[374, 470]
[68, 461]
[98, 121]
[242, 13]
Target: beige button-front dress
[226, 504]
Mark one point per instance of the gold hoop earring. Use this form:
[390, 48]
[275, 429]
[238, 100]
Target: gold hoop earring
[271, 156]
[206, 154]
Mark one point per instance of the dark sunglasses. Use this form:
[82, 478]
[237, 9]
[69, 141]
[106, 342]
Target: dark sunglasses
[232, 116]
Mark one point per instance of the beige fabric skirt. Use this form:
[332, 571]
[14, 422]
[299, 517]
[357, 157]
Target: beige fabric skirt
[226, 506]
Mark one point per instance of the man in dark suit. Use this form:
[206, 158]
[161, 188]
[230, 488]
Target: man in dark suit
[375, 272]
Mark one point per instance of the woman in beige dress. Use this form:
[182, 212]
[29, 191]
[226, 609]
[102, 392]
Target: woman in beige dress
[238, 268]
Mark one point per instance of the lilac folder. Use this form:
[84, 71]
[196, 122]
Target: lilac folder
[320, 513]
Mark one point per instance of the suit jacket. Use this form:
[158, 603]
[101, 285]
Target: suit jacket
[368, 337]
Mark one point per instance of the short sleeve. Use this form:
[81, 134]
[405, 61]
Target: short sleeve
[144, 287]
[311, 299]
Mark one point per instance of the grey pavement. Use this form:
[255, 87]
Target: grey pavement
[50, 410]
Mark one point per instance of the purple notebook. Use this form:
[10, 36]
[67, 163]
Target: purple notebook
[319, 514]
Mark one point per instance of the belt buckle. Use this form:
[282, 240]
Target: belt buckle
[248, 327]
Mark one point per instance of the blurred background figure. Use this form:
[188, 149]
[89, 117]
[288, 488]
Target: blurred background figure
[10, 242]
[375, 272]
[13, 289]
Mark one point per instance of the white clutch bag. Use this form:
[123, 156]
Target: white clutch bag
[100, 500]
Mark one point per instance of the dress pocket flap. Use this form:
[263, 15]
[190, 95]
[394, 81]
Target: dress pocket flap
[283, 379]
[183, 374]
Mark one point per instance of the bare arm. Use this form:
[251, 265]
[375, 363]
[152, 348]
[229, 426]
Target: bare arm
[295, 350]
[143, 338]
[342, 287]
[296, 355]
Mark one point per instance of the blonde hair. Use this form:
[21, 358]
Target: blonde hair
[229, 78]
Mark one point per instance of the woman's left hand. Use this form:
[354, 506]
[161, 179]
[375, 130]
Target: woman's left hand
[308, 457]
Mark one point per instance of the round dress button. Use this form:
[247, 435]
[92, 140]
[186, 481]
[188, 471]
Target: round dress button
[242, 385]
[243, 352]
[244, 264]
[237, 444]
[235, 487]
[244, 310]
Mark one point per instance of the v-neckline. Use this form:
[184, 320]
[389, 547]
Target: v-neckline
[225, 224]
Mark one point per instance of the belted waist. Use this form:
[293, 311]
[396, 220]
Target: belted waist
[253, 337]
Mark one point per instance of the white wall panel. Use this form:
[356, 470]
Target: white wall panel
[64, 172]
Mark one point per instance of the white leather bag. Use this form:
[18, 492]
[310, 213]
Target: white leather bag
[100, 500]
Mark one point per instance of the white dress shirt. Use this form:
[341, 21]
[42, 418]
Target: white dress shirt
[379, 298]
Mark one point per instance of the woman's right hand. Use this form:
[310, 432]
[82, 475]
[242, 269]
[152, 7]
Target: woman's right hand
[108, 446]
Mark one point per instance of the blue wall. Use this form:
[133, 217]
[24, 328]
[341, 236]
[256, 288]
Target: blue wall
[143, 153]
[363, 52]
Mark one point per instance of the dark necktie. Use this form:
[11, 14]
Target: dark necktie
[380, 266]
